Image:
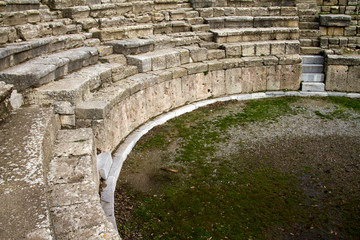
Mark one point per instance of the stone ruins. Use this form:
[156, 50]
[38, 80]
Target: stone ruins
[77, 77]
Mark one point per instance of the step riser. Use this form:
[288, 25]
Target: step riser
[256, 37]
[312, 68]
[313, 87]
[313, 77]
[313, 60]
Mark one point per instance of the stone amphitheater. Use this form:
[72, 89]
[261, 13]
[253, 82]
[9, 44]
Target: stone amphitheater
[77, 77]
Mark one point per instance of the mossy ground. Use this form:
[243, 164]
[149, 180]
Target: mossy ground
[241, 178]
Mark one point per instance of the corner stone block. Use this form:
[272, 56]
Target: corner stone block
[335, 20]
[353, 80]
[233, 79]
[336, 78]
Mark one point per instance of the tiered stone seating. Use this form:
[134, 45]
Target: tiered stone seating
[47, 68]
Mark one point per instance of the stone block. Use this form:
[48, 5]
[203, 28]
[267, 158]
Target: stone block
[16, 100]
[353, 80]
[67, 170]
[197, 54]
[277, 48]
[262, 49]
[215, 54]
[72, 193]
[104, 163]
[292, 48]
[67, 218]
[233, 81]
[290, 76]
[259, 81]
[248, 49]
[217, 79]
[272, 79]
[188, 88]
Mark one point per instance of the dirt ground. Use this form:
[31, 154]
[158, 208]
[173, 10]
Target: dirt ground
[317, 141]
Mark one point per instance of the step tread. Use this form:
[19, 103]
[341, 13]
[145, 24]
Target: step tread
[240, 31]
[29, 73]
[313, 77]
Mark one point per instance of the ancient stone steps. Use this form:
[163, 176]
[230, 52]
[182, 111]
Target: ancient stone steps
[261, 48]
[247, 11]
[252, 21]
[41, 70]
[12, 54]
[123, 32]
[26, 140]
[232, 35]
[313, 73]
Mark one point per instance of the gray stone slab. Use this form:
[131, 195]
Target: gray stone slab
[335, 20]
[312, 59]
[312, 68]
[313, 87]
[313, 77]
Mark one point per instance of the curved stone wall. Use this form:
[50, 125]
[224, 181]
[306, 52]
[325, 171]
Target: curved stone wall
[147, 95]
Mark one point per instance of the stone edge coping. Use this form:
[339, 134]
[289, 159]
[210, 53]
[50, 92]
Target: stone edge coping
[350, 60]
[120, 155]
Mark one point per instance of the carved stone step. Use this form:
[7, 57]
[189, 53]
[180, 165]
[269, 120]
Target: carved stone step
[44, 69]
[232, 35]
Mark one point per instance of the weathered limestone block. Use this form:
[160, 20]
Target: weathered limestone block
[248, 49]
[67, 121]
[188, 88]
[193, 68]
[247, 79]
[336, 20]
[29, 31]
[353, 80]
[290, 76]
[233, 84]
[61, 4]
[272, 79]
[76, 12]
[259, 81]
[262, 49]
[7, 34]
[217, 79]
[203, 86]
[197, 54]
[337, 78]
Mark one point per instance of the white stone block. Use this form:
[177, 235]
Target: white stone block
[353, 95]
[258, 95]
[16, 100]
[104, 163]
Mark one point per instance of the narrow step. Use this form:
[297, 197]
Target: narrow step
[44, 69]
[313, 77]
[249, 21]
[200, 28]
[313, 87]
[123, 32]
[313, 68]
[77, 86]
[310, 50]
[160, 59]
[312, 59]
[15, 53]
[232, 35]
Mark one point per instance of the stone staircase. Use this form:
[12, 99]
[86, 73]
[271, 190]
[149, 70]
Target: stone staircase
[313, 78]
[308, 13]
